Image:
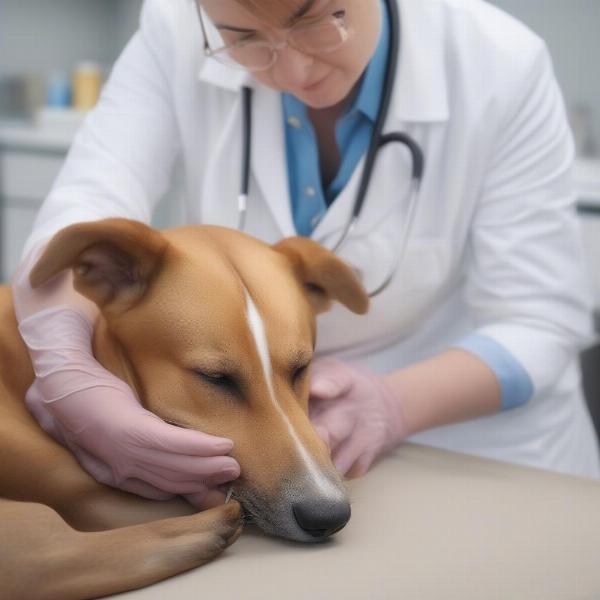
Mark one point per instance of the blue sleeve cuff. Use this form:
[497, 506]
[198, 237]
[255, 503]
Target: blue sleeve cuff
[515, 384]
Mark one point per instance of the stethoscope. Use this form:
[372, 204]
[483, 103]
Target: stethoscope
[378, 141]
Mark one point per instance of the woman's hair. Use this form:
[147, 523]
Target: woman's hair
[273, 12]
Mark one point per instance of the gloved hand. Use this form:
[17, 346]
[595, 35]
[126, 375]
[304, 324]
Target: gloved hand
[95, 414]
[355, 413]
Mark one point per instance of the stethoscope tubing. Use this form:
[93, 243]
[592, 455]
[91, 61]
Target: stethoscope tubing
[378, 141]
[246, 152]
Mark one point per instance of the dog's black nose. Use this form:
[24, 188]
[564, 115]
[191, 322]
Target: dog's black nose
[321, 519]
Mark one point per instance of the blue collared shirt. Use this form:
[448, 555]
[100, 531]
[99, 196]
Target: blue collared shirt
[310, 201]
[353, 133]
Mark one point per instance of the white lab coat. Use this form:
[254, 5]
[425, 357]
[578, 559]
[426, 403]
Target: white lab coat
[494, 246]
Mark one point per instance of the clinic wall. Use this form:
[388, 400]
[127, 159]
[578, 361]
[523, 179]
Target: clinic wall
[44, 35]
[571, 30]
[127, 19]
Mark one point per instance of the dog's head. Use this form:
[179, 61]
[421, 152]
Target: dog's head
[216, 332]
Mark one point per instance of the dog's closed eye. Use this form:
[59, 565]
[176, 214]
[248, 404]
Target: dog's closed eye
[299, 373]
[220, 380]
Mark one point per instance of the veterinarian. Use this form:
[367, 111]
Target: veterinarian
[471, 346]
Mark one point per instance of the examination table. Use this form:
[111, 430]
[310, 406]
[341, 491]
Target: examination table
[426, 525]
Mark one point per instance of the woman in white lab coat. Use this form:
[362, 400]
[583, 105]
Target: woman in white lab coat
[473, 347]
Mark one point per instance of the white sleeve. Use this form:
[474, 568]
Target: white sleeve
[121, 160]
[526, 282]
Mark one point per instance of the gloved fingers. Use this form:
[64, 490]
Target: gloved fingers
[317, 406]
[362, 464]
[174, 439]
[339, 426]
[186, 467]
[323, 434]
[324, 365]
[330, 378]
[346, 455]
[56, 430]
[175, 487]
[211, 479]
[99, 470]
[102, 473]
[327, 387]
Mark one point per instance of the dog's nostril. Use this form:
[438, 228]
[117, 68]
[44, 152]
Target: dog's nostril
[321, 519]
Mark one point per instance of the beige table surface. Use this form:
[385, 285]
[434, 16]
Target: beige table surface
[426, 524]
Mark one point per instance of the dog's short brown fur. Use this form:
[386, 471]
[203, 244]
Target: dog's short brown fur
[173, 304]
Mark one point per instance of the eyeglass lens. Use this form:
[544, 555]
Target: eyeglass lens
[314, 39]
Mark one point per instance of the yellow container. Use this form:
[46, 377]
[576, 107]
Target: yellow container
[87, 81]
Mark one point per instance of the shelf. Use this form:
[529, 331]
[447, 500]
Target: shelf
[52, 131]
[32, 138]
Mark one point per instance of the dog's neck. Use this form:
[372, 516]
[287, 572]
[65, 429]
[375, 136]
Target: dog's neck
[110, 354]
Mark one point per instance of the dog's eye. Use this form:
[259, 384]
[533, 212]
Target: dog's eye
[220, 380]
[299, 373]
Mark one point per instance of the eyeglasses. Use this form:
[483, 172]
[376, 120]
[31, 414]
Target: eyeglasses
[321, 37]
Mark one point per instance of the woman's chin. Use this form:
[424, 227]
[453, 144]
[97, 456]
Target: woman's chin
[326, 93]
[320, 99]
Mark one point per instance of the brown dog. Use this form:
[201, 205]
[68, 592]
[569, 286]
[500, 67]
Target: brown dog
[213, 330]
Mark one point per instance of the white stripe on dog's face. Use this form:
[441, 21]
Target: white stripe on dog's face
[314, 473]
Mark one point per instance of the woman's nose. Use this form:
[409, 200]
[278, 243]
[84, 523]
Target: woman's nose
[292, 67]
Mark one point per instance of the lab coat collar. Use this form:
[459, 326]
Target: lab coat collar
[268, 164]
[421, 90]
[220, 75]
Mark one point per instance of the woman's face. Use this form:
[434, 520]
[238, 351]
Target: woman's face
[319, 81]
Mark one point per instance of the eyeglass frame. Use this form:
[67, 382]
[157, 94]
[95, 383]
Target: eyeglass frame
[275, 47]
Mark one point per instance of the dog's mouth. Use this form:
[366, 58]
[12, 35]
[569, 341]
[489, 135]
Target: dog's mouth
[248, 517]
[251, 513]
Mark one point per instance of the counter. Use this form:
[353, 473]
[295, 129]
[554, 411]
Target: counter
[426, 525]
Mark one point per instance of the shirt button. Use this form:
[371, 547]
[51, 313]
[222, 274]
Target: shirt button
[315, 220]
[294, 122]
[310, 191]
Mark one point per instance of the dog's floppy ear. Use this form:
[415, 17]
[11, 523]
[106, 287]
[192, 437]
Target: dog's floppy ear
[325, 276]
[113, 260]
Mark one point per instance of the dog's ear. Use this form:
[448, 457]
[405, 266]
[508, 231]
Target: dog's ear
[113, 260]
[325, 276]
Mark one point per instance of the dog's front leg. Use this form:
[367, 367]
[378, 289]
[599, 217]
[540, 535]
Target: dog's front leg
[45, 559]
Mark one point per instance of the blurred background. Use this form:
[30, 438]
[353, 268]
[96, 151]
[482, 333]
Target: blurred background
[55, 55]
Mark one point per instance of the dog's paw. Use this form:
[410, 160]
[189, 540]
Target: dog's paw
[188, 542]
[221, 526]
[162, 548]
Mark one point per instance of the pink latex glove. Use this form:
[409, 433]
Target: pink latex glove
[355, 413]
[95, 414]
